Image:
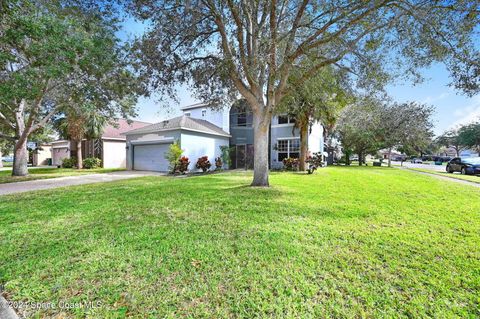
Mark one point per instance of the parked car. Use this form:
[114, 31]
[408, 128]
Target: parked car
[416, 161]
[466, 166]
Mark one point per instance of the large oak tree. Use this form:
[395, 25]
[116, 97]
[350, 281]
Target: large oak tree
[249, 47]
[48, 51]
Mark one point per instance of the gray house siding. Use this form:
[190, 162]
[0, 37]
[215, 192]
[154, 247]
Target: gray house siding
[218, 117]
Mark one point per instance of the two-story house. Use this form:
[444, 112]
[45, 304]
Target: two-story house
[202, 130]
[284, 138]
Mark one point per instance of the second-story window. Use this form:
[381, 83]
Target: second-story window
[242, 119]
[204, 112]
[284, 119]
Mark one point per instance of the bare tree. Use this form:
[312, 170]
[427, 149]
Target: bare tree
[246, 47]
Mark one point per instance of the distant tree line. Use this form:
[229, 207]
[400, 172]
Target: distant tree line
[373, 123]
[461, 138]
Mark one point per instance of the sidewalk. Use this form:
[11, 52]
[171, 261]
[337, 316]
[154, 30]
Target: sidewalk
[445, 178]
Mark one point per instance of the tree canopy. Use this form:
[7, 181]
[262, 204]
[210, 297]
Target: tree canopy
[53, 53]
[225, 48]
[319, 100]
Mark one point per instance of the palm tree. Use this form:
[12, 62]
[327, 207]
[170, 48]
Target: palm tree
[319, 99]
[81, 123]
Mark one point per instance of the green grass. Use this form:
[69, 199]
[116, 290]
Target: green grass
[346, 242]
[7, 164]
[44, 173]
[470, 178]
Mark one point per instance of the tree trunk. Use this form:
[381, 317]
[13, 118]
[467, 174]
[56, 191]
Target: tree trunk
[303, 147]
[79, 155]
[390, 157]
[360, 156]
[261, 125]
[20, 158]
[1, 162]
[347, 158]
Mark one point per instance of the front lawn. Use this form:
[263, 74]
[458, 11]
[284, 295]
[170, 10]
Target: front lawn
[7, 164]
[346, 242]
[43, 173]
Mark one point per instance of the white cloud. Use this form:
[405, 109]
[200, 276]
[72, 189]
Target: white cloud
[430, 99]
[468, 114]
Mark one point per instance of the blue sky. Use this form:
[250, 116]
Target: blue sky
[451, 107]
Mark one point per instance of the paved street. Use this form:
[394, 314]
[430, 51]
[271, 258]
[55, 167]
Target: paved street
[437, 168]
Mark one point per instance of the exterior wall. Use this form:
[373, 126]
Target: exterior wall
[114, 154]
[196, 145]
[42, 155]
[148, 138]
[218, 117]
[315, 139]
[60, 150]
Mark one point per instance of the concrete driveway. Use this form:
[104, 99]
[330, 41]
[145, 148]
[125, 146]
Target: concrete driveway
[21, 187]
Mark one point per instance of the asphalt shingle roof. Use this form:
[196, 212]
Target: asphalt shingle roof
[122, 126]
[181, 122]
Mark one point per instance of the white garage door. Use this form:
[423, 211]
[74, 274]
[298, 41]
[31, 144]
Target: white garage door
[150, 157]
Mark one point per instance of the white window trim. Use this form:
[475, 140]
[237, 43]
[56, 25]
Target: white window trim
[288, 138]
[288, 146]
[283, 125]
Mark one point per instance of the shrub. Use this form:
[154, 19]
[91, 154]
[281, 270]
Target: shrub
[218, 163]
[182, 165]
[290, 164]
[314, 162]
[69, 162]
[92, 162]
[173, 155]
[203, 163]
[226, 158]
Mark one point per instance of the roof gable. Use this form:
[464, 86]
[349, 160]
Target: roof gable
[182, 122]
[117, 131]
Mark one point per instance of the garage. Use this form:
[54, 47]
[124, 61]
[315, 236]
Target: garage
[150, 157]
[147, 146]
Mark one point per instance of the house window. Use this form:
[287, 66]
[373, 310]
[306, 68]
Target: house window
[288, 148]
[187, 113]
[284, 119]
[204, 112]
[242, 119]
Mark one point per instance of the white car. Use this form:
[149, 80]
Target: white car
[416, 161]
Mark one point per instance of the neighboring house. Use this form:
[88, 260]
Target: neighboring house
[147, 146]
[110, 147]
[396, 155]
[42, 155]
[202, 130]
[451, 152]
